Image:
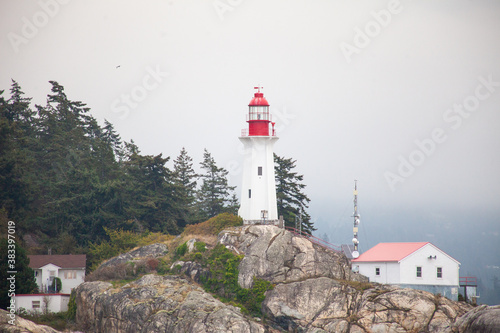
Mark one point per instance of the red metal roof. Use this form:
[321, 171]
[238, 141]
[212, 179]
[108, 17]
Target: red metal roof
[258, 100]
[61, 260]
[390, 251]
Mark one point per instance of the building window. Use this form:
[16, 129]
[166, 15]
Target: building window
[35, 304]
[70, 274]
[259, 171]
[377, 271]
[52, 273]
[419, 271]
[439, 272]
[249, 193]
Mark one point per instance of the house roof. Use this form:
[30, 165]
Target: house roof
[61, 260]
[390, 251]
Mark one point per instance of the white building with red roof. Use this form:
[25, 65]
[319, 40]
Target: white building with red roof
[419, 265]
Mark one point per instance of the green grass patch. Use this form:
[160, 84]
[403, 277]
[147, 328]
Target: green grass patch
[223, 282]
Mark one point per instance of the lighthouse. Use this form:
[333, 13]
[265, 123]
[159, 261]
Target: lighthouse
[258, 191]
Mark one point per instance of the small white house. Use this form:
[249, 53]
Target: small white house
[420, 266]
[70, 268]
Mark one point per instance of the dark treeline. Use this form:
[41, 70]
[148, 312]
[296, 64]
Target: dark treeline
[64, 177]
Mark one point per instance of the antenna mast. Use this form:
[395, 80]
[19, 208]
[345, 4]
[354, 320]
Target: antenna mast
[355, 241]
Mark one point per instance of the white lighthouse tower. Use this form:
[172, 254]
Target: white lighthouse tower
[258, 191]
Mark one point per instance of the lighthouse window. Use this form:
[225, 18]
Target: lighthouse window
[249, 193]
[259, 171]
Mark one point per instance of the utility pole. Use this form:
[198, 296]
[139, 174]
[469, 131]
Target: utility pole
[356, 216]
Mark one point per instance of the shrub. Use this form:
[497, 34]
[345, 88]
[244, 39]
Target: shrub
[200, 246]
[152, 264]
[56, 285]
[214, 225]
[71, 313]
[163, 267]
[223, 281]
[181, 250]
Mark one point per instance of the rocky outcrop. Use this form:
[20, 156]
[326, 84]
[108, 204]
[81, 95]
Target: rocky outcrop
[279, 256]
[316, 291]
[484, 319]
[21, 325]
[143, 252]
[325, 305]
[157, 304]
[191, 269]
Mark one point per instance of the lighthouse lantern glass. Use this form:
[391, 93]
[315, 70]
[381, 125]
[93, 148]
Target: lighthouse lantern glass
[259, 113]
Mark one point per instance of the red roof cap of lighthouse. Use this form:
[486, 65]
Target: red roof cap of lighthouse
[258, 99]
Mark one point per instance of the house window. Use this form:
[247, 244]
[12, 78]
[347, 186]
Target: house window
[259, 171]
[249, 193]
[439, 272]
[35, 304]
[377, 271]
[70, 274]
[52, 273]
[419, 271]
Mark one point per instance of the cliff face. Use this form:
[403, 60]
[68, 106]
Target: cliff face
[315, 291]
[157, 304]
[279, 256]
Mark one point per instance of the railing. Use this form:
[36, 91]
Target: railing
[314, 239]
[244, 132]
[468, 281]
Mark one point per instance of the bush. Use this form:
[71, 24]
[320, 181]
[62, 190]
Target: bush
[181, 250]
[214, 225]
[71, 313]
[200, 246]
[223, 281]
[56, 285]
[163, 267]
[152, 264]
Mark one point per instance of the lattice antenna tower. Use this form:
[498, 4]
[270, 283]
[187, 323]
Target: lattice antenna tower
[355, 241]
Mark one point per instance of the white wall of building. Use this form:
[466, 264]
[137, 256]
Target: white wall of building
[70, 277]
[420, 258]
[389, 271]
[36, 302]
[258, 152]
[46, 272]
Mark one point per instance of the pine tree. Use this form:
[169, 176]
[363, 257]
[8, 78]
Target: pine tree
[24, 278]
[215, 195]
[292, 202]
[16, 134]
[185, 181]
[152, 197]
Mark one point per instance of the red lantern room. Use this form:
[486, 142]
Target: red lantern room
[258, 115]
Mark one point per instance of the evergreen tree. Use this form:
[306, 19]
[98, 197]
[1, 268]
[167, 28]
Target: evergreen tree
[292, 202]
[185, 180]
[24, 278]
[215, 195]
[152, 200]
[16, 135]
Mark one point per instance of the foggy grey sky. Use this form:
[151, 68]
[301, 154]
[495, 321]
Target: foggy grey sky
[342, 116]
